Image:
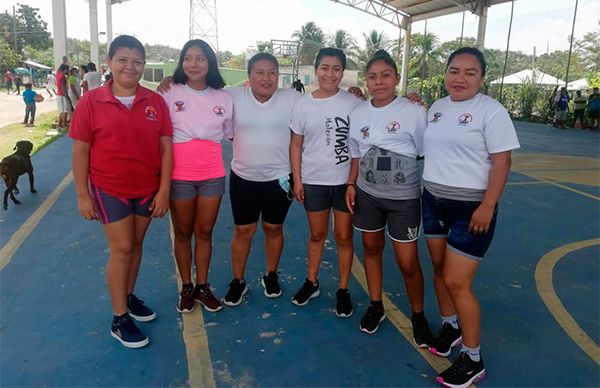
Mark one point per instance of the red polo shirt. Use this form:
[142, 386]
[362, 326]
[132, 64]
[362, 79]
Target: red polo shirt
[125, 146]
[59, 76]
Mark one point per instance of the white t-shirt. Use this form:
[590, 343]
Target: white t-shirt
[199, 114]
[93, 79]
[325, 125]
[460, 137]
[261, 135]
[388, 140]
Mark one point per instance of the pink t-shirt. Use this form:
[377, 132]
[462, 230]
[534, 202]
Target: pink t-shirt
[201, 119]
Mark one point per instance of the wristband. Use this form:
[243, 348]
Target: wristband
[351, 184]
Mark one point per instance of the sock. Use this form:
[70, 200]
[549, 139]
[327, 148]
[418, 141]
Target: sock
[187, 285]
[472, 352]
[452, 320]
[418, 316]
[117, 317]
[202, 285]
[377, 303]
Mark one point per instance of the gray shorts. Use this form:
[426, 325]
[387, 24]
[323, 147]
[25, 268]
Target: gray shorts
[561, 115]
[403, 217]
[191, 189]
[320, 197]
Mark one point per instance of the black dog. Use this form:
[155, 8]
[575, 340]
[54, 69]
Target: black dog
[14, 166]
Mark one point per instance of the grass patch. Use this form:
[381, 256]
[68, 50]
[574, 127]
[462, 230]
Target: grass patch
[41, 135]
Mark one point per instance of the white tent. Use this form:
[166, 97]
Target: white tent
[38, 65]
[527, 75]
[579, 84]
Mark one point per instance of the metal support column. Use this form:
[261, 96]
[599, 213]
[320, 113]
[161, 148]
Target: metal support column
[93, 31]
[59, 28]
[109, 31]
[482, 26]
[405, 58]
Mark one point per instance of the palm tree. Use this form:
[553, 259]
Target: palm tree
[311, 39]
[342, 40]
[374, 41]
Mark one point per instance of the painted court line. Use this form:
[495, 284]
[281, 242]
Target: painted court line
[545, 287]
[401, 321]
[12, 245]
[200, 372]
[553, 183]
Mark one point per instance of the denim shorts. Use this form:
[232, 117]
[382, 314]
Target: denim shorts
[321, 197]
[449, 219]
[191, 189]
[112, 208]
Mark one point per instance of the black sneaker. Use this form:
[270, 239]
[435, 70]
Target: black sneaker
[462, 373]
[138, 310]
[204, 296]
[270, 282]
[124, 330]
[343, 307]
[370, 321]
[308, 291]
[448, 337]
[185, 304]
[421, 333]
[236, 293]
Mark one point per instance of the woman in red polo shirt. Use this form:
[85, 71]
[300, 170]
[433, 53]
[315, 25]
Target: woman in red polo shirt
[122, 162]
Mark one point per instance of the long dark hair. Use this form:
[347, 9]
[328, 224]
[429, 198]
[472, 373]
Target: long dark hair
[471, 51]
[213, 77]
[330, 52]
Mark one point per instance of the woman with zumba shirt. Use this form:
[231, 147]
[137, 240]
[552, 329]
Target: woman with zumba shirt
[122, 185]
[467, 146]
[384, 188]
[320, 164]
[202, 116]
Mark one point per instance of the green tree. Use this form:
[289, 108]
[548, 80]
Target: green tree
[8, 58]
[161, 53]
[344, 41]
[311, 39]
[223, 56]
[263, 46]
[31, 29]
[236, 62]
[373, 41]
[588, 49]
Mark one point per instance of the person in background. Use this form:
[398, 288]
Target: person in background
[579, 112]
[201, 113]
[18, 82]
[91, 79]
[298, 86]
[8, 81]
[384, 189]
[561, 104]
[30, 97]
[122, 162]
[51, 84]
[63, 102]
[320, 160]
[594, 109]
[74, 88]
[467, 147]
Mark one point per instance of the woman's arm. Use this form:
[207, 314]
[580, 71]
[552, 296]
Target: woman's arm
[81, 165]
[482, 216]
[160, 203]
[296, 160]
[351, 185]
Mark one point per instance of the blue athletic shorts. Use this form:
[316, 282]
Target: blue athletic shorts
[112, 209]
[449, 219]
[321, 197]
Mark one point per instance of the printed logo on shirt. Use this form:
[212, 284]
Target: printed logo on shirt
[219, 110]
[436, 117]
[150, 113]
[393, 127]
[465, 119]
[340, 127]
[364, 132]
[179, 106]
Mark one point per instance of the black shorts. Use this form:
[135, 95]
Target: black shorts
[252, 200]
[321, 197]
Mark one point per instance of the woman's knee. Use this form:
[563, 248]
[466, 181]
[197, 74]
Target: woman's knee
[272, 231]
[318, 235]
[244, 232]
[183, 235]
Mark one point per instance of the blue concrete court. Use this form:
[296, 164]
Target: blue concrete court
[55, 313]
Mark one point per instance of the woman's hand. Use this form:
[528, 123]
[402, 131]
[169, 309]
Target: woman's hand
[481, 219]
[350, 197]
[415, 98]
[357, 92]
[87, 207]
[160, 204]
[298, 191]
[165, 84]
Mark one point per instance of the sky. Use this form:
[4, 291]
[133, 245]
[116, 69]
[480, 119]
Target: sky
[545, 24]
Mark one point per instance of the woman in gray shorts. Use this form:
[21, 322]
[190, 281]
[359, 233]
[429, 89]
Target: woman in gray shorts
[386, 135]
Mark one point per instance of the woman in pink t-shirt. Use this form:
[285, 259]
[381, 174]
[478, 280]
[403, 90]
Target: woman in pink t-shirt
[202, 116]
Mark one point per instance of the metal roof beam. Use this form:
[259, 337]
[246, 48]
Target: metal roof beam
[380, 10]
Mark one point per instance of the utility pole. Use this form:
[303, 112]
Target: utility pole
[15, 30]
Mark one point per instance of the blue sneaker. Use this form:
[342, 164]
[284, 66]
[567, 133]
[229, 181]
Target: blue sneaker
[124, 330]
[138, 310]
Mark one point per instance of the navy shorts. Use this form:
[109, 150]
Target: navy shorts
[449, 219]
[252, 200]
[112, 208]
[321, 197]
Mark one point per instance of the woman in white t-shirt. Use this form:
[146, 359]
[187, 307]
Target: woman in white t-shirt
[467, 146]
[320, 160]
[384, 189]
